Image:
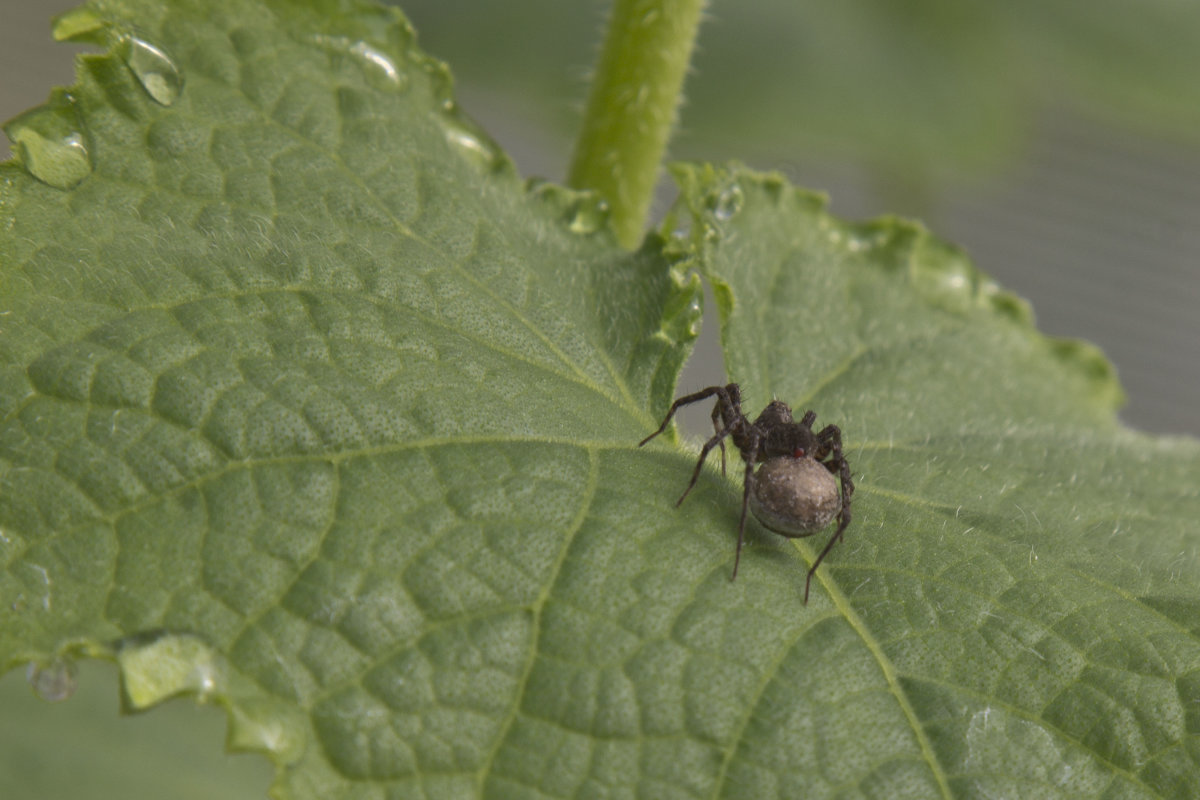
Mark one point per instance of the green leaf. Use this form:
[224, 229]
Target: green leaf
[304, 395]
[1016, 601]
[310, 409]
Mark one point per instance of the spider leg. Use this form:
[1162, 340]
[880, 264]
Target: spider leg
[843, 521]
[749, 455]
[704, 451]
[809, 418]
[716, 419]
[831, 437]
[723, 398]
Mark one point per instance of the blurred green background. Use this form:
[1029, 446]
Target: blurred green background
[1057, 141]
[82, 750]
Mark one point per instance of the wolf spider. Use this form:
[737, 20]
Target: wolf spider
[796, 508]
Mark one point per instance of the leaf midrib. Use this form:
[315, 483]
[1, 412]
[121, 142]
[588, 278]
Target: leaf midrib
[842, 603]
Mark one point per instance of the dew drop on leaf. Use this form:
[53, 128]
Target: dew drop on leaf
[156, 668]
[471, 142]
[379, 67]
[266, 725]
[154, 70]
[49, 142]
[53, 681]
[728, 203]
[588, 214]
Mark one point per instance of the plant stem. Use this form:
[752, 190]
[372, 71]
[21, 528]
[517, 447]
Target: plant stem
[632, 106]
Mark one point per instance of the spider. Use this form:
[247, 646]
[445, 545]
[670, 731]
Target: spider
[793, 493]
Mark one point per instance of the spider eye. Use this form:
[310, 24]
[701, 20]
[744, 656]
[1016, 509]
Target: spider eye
[798, 452]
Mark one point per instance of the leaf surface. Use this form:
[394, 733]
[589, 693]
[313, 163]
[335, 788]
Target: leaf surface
[308, 407]
[1021, 573]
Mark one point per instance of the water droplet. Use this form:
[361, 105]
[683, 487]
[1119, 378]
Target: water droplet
[53, 681]
[381, 70]
[153, 68]
[160, 665]
[588, 214]
[379, 61]
[266, 725]
[728, 203]
[473, 143]
[584, 212]
[154, 669]
[50, 143]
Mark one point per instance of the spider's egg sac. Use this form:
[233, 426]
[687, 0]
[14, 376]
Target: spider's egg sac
[794, 496]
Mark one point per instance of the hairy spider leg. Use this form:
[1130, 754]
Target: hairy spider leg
[831, 437]
[809, 418]
[843, 521]
[716, 418]
[704, 451]
[723, 397]
[751, 449]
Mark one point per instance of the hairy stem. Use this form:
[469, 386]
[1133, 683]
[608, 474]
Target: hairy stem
[632, 106]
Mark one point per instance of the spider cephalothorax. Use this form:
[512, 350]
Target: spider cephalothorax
[793, 493]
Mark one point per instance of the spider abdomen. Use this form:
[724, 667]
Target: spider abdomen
[794, 496]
